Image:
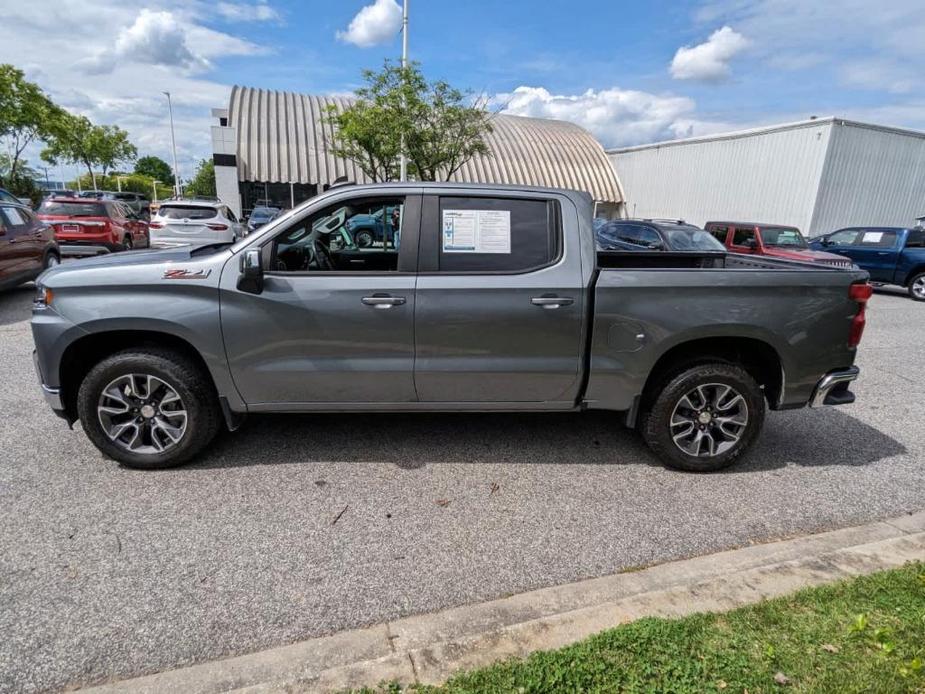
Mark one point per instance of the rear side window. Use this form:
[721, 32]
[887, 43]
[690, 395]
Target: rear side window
[186, 212]
[73, 209]
[877, 239]
[15, 217]
[638, 235]
[743, 235]
[496, 234]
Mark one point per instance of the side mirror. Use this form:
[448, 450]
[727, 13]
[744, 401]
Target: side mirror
[251, 279]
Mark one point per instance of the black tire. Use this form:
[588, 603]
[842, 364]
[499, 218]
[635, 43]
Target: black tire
[363, 239]
[655, 421]
[917, 291]
[194, 387]
[51, 259]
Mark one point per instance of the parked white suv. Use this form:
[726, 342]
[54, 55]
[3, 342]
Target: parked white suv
[194, 222]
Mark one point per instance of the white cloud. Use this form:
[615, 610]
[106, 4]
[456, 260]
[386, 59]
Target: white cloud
[614, 116]
[78, 35]
[374, 24]
[155, 38]
[244, 12]
[708, 61]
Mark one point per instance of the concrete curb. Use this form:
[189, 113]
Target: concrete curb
[429, 648]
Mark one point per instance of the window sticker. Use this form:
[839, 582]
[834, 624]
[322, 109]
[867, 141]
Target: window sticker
[476, 231]
[872, 237]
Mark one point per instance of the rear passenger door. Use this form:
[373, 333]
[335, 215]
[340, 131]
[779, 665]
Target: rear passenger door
[499, 314]
[875, 250]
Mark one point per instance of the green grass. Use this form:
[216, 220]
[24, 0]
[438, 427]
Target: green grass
[861, 635]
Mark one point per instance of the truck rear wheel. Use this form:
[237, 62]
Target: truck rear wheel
[148, 408]
[704, 417]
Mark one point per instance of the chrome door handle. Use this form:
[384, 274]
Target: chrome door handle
[550, 302]
[382, 301]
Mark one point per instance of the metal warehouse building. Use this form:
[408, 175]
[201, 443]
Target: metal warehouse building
[818, 175]
[276, 146]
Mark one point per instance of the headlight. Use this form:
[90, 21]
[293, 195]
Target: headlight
[43, 297]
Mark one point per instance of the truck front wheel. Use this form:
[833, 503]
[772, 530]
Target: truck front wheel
[148, 408]
[704, 417]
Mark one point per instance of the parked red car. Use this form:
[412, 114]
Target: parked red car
[773, 240]
[89, 227]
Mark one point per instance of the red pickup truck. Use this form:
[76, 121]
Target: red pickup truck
[774, 240]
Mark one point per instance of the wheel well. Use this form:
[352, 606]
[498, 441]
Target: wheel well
[85, 353]
[912, 273]
[758, 358]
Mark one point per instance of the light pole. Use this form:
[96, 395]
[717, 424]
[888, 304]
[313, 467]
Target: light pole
[173, 141]
[403, 162]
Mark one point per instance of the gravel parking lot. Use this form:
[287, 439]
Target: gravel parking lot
[301, 526]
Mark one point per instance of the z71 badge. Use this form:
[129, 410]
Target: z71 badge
[181, 274]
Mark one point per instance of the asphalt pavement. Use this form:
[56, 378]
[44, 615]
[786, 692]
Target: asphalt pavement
[302, 526]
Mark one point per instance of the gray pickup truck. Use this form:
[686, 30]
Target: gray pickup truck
[488, 298]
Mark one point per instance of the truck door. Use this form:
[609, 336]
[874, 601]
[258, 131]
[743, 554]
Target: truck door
[500, 302]
[21, 240]
[325, 329]
[876, 251]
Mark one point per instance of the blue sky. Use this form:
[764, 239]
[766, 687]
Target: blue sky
[629, 72]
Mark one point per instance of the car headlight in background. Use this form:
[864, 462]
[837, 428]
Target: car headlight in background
[43, 297]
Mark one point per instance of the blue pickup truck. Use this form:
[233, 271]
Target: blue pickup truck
[892, 255]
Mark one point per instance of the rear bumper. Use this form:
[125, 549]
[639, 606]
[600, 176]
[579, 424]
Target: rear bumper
[83, 249]
[832, 388]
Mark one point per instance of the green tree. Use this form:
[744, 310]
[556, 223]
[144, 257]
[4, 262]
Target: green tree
[442, 127]
[203, 181]
[154, 167]
[26, 114]
[76, 140]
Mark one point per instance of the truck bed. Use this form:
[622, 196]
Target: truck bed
[714, 260]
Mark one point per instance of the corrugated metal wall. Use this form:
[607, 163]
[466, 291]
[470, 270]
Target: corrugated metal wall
[284, 137]
[768, 176]
[872, 176]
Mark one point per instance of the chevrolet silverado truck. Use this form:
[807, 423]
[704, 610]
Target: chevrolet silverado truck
[495, 301]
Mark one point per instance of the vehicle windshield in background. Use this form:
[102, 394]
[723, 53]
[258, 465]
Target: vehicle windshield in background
[782, 237]
[72, 209]
[264, 213]
[691, 239]
[185, 212]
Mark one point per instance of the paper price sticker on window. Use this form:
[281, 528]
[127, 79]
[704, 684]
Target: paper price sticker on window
[476, 231]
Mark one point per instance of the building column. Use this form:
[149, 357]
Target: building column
[224, 156]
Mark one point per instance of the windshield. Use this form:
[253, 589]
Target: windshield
[691, 239]
[783, 237]
[72, 208]
[185, 212]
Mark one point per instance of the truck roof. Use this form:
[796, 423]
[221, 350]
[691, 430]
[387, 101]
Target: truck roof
[452, 185]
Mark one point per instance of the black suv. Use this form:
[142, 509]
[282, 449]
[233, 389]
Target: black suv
[652, 235]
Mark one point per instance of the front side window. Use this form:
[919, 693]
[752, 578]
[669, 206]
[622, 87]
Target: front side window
[845, 237]
[15, 217]
[352, 236]
[496, 234]
[684, 238]
[744, 236]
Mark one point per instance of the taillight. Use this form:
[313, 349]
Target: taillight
[218, 227]
[861, 293]
[156, 225]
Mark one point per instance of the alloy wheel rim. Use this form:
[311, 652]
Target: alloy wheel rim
[709, 420]
[918, 287]
[51, 261]
[142, 414]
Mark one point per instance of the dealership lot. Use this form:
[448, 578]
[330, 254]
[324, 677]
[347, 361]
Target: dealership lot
[302, 526]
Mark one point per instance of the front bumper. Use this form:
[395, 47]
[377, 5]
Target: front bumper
[52, 395]
[832, 388]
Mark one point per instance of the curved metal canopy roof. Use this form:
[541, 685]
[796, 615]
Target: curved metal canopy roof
[284, 137]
